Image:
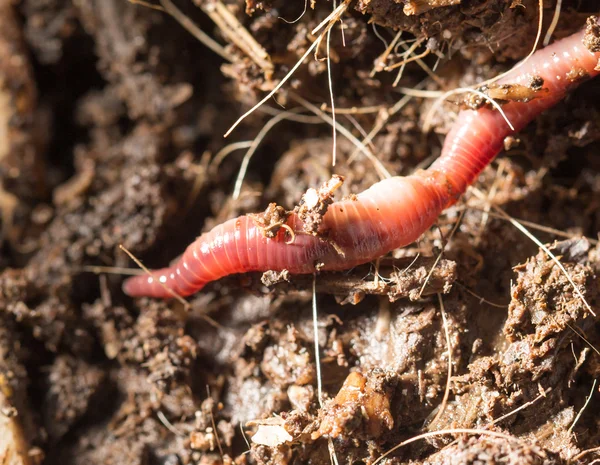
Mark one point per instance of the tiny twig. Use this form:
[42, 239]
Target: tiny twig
[214, 426]
[198, 33]
[553, 24]
[233, 30]
[444, 432]
[442, 407]
[587, 401]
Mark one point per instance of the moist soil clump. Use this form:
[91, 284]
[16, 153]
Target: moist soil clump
[112, 118]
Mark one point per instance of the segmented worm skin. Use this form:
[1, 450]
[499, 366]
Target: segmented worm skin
[477, 136]
[390, 214]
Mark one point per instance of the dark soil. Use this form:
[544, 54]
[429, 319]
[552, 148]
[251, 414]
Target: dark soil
[111, 121]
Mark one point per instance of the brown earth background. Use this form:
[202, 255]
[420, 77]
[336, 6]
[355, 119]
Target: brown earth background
[112, 118]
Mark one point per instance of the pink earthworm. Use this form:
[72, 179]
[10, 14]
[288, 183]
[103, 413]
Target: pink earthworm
[390, 214]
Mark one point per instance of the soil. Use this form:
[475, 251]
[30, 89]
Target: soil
[112, 118]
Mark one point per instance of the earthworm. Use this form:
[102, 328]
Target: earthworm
[392, 213]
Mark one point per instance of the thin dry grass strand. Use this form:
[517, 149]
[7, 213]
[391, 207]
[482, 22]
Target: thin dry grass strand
[553, 24]
[518, 409]
[420, 93]
[405, 270]
[461, 90]
[584, 453]
[339, 10]
[245, 437]
[587, 401]
[438, 258]
[399, 75]
[343, 34]
[147, 5]
[201, 169]
[381, 59]
[378, 126]
[444, 432]
[524, 230]
[582, 337]
[331, 98]
[379, 36]
[193, 29]
[332, 454]
[354, 110]
[297, 117]
[254, 145]
[299, 17]
[216, 431]
[225, 151]
[442, 407]
[167, 424]
[437, 62]
[315, 316]
[488, 203]
[425, 68]
[111, 270]
[400, 104]
[359, 128]
[408, 60]
[342, 26]
[381, 170]
[406, 53]
[277, 87]
[481, 299]
[539, 227]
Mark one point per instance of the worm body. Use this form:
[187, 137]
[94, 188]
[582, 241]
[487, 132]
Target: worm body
[391, 213]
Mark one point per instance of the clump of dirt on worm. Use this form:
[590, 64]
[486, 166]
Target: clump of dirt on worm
[111, 124]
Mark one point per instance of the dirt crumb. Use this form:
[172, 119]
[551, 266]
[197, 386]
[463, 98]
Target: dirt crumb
[576, 74]
[536, 82]
[289, 361]
[591, 40]
[314, 204]
[271, 220]
[543, 300]
[361, 408]
[270, 278]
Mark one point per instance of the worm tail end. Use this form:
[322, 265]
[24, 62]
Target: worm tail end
[164, 283]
